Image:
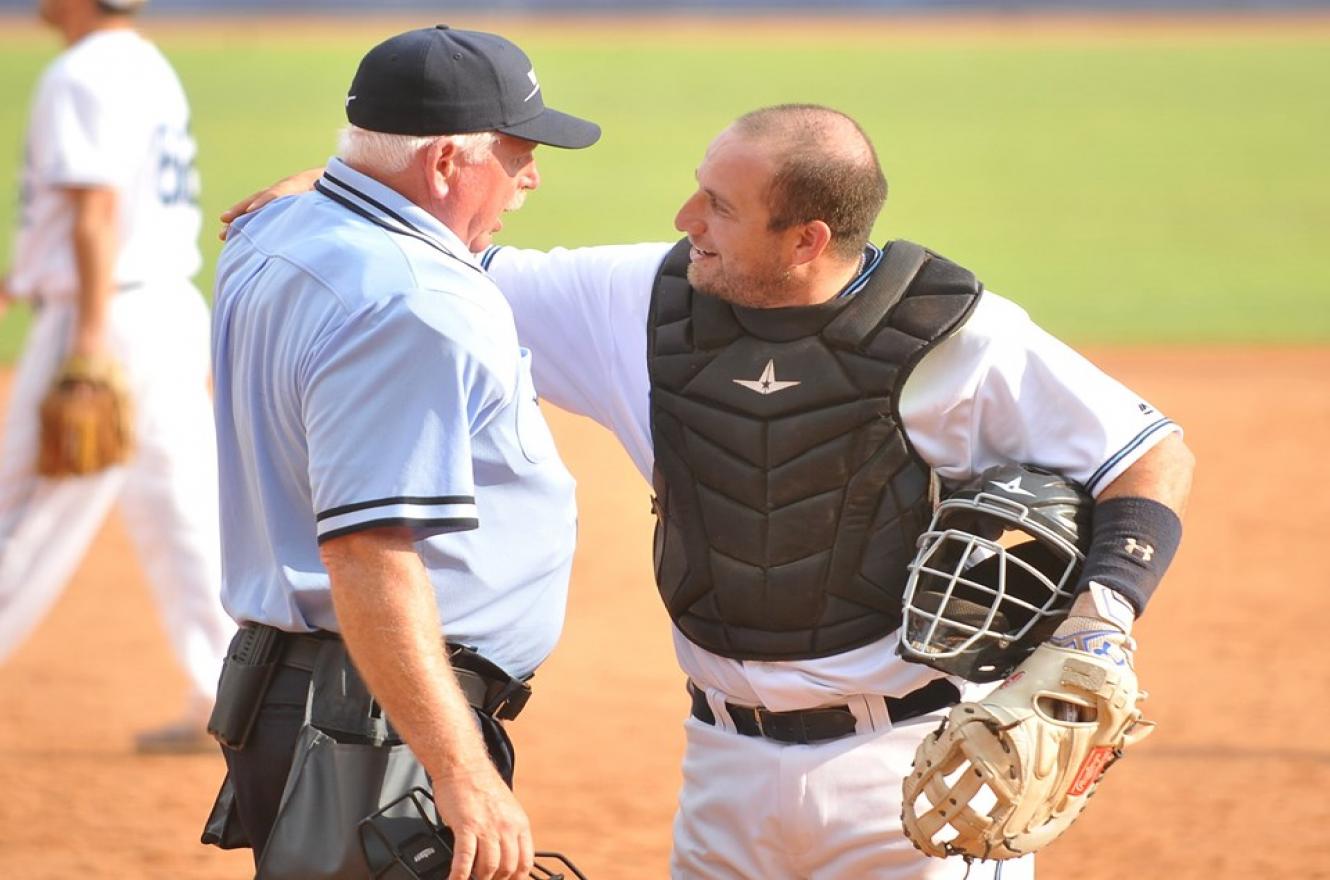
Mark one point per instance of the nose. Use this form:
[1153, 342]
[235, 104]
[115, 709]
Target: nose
[689, 219]
[532, 177]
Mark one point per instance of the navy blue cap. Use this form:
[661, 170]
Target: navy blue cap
[435, 81]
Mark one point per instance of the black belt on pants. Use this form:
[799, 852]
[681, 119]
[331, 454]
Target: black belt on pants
[827, 723]
[485, 686]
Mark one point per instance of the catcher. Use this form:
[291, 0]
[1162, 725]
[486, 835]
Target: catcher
[1012, 580]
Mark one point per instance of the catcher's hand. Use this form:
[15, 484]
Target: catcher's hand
[87, 420]
[1003, 777]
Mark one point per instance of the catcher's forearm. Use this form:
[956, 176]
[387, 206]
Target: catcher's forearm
[1163, 475]
[94, 243]
[1138, 524]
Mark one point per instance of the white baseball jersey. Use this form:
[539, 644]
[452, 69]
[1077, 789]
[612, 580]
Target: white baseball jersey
[368, 374]
[108, 112]
[999, 390]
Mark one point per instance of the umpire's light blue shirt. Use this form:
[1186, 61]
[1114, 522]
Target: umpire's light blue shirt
[367, 374]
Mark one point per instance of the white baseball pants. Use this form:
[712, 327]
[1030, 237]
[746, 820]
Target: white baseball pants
[754, 808]
[167, 492]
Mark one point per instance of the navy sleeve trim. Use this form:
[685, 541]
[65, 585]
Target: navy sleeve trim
[404, 511]
[430, 526]
[1092, 484]
[422, 500]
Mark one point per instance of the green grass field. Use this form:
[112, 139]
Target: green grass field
[1164, 188]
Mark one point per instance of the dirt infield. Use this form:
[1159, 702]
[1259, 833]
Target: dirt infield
[1233, 784]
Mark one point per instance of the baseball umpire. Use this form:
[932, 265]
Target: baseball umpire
[795, 395]
[380, 445]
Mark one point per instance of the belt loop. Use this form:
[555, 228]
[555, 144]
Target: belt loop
[721, 710]
[870, 713]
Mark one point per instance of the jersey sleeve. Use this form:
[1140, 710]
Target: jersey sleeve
[84, 140]
[390, 401]
[1004, 390]
[583, 315]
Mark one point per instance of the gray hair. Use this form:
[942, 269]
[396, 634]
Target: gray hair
[391, 153]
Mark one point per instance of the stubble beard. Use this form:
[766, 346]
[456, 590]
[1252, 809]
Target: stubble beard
[752, 290]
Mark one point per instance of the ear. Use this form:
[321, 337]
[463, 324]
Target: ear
[441, 163]
[810, 242]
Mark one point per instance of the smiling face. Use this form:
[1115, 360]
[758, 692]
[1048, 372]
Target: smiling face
[736, 256]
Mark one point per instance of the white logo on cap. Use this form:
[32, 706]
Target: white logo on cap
[531, 75]
[349, 99]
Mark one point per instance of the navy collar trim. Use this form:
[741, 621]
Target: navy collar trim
[381, 215]
[872, 257]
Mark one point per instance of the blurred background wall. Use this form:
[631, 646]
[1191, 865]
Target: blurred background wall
[360, 6]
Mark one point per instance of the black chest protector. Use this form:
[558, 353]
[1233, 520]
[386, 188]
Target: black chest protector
[788, 498]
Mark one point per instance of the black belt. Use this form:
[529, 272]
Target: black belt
[486, 687]
[827, 723]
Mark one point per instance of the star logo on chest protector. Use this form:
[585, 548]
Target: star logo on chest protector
[767, 383]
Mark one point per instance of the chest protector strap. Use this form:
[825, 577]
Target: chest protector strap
[787, 496]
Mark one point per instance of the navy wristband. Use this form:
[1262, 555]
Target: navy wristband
[1133, 541]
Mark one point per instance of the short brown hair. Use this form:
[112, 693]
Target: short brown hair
[826, 169]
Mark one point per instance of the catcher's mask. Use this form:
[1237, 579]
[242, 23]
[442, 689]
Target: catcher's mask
[403, 841]
[994, 572]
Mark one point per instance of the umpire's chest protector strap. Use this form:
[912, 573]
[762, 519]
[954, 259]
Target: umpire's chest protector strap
[788, 498]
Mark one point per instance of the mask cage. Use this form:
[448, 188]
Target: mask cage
[987, 576]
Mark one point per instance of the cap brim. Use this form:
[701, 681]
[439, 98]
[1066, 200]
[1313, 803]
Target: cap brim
[556, 129]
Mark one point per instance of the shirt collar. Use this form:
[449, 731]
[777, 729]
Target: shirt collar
[388, 208]
[872, 255]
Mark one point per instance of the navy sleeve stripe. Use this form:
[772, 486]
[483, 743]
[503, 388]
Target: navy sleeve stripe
[1149, 431]
[404, 513]
[431, 526]
[427, 500]
[487, 256]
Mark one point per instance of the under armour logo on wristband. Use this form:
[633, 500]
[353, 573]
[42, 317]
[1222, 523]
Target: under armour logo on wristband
[1143, 552]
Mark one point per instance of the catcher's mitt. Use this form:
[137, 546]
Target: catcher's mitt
[1003, 777]
[87, 419]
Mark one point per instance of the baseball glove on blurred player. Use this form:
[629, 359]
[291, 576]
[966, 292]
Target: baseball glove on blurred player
[1004, 777]
[87, 419]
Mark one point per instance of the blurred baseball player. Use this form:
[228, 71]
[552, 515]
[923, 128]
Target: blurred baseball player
[105, 249]
[791, 391]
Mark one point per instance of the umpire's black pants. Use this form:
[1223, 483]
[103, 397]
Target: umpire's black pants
[258, 771]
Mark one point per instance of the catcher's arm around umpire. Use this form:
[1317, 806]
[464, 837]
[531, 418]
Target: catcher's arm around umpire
[301, 181]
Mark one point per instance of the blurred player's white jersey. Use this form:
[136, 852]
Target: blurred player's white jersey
[108, 112]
